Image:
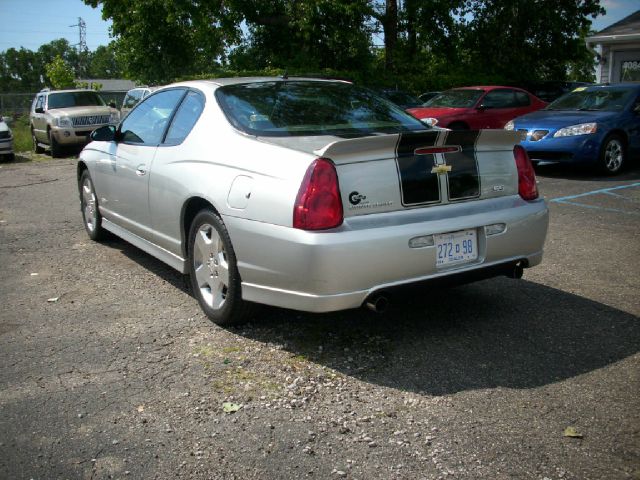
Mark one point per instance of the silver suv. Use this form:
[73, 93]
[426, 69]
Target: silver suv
[67, 117]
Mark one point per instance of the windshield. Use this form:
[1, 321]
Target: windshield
[295, 108]
[455, 99]
[600, 99]
[74, 99]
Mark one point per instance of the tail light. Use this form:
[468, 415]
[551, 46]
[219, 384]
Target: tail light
[527, 187]
[318, 205]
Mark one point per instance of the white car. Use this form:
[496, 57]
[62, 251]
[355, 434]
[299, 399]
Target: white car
[132, 98]
[308, 194]
[6, 140]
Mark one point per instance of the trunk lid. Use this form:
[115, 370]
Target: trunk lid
[415, 170]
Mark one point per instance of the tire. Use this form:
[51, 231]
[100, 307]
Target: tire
[213, 271]
[56, 149]
[612, 155]
[36, 147]
[458, 126]
[91, 217]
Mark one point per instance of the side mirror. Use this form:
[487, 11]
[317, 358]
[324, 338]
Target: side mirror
[39, 110]
[104, 134]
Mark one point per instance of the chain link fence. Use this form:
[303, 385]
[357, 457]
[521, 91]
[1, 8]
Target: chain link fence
[19, 104]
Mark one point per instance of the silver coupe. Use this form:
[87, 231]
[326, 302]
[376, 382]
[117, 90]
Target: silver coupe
[315, 195]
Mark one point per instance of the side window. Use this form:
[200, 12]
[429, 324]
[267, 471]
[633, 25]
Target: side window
[499, 99]
[186, 117]
[522, 99]
[40, 102]
[147, 123]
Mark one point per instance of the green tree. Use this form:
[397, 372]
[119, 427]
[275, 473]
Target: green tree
[23, 70]
[19, 71]
[159, 40]
[527, 40]
[310, 34]
[104, 63]
[60, 73]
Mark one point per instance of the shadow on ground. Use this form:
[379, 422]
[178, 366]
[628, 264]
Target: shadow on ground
[582, 173]
[495, 333]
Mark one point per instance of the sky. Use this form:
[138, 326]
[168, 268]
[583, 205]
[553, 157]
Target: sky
[31, 23]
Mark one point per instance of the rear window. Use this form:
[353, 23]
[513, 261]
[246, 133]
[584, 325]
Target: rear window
[296, 108]
[74, 99]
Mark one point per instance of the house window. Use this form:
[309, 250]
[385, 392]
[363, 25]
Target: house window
[630, 71]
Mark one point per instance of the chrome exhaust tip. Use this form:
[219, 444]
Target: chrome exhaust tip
[517, 271]
[378, 303]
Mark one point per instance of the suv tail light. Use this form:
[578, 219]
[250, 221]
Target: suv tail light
[318, 205]
[527, 187]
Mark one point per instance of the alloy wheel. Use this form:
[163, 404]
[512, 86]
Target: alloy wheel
[613, 155]
[211, 266]
[89, 205]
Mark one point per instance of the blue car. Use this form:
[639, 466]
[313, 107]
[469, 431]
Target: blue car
[597, 125]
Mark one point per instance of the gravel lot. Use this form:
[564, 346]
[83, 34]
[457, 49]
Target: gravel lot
[108, 369]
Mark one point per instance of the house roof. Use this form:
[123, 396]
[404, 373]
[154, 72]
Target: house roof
[627, 25]
[624, 31]
[109, 84]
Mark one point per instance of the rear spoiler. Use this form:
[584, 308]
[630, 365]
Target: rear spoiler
[386, 146]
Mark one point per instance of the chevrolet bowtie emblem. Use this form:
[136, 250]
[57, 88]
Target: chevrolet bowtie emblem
[440, 169]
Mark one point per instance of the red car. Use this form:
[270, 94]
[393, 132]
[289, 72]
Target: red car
[477, 107]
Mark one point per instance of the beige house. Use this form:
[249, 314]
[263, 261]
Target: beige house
[618, 50]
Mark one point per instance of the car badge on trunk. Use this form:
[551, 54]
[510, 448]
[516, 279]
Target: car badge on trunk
[441, 168]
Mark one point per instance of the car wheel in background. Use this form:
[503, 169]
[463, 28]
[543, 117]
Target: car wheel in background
[36, 147]
[612, 155]
[56, 149]
[215, 280]
[89, 205]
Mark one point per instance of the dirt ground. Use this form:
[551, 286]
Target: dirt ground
[108, 368]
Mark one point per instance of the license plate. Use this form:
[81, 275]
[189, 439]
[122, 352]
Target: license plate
[455, 247]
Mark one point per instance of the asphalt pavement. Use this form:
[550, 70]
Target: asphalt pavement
[108, 368]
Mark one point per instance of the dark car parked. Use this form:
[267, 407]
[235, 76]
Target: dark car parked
[403, 99]
[550, 91]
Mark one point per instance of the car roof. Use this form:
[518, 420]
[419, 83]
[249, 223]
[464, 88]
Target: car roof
[603, 86]
[488, 88]
[71, 90]
[222, 82]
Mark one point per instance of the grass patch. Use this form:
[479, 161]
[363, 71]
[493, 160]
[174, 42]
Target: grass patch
[21, 134]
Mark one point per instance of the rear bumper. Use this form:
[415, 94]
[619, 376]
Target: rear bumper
[336, 270]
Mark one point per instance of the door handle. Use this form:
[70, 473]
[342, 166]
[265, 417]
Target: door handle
[140, 171]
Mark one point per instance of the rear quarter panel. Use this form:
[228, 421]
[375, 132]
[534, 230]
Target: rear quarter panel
[207, 164]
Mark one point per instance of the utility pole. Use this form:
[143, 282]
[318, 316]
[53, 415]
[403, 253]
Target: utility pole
[82, 46]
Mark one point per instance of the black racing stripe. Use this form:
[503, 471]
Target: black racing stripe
[463, 180]
[418, 184]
